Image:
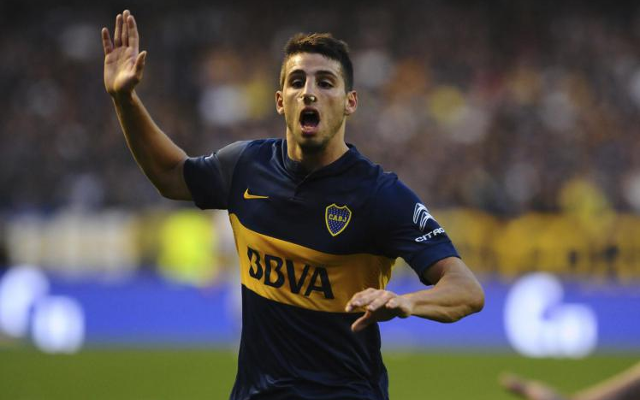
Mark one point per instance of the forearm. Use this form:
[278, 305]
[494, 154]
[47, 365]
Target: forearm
[159, 158]
[625, 386]
[456, 295]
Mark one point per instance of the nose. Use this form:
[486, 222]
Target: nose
[309, 99]
[307, 95]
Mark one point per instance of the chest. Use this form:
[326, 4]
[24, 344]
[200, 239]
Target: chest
[328, 214]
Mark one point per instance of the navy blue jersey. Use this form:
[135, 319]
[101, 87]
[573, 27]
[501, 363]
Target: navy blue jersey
[307, 243]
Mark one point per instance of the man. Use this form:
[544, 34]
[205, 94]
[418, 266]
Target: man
[317, 228]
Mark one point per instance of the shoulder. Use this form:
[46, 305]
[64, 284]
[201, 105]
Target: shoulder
[268, 146]
[388, 188]
[378, 188]
[369, 172]
[394, 201]
[269, 143]
[248, 151]
[391, 188]
[254, 145]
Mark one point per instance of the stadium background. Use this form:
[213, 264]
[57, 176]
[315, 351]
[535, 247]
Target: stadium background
[516, 122]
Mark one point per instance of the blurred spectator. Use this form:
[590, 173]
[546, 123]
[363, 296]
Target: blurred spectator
[523, 96]
[504, 108]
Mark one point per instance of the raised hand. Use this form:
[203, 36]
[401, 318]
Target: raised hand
[123, 64]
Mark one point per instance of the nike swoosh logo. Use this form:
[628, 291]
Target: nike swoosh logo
[250, 196]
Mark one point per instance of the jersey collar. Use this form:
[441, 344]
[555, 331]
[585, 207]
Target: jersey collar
[338, 166]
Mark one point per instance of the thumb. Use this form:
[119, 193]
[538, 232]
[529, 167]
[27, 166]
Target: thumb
[362, 322]
[140, 62]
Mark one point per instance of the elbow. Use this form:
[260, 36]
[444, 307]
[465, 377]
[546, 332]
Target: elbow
[165, 192]
[475, 302]
[162, 189]
[171, 186]
[170, 193]
[168, 181]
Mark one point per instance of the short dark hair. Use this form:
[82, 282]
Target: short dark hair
[324, 44]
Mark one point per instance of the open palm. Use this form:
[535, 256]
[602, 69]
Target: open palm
[123, 64]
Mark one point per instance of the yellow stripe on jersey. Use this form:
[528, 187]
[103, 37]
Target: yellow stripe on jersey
[296, 275]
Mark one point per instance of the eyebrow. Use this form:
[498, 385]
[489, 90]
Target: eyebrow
[319, 72]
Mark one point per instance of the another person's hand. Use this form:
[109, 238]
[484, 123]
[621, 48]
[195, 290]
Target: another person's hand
[378, 305]
[123, 64]
[529, 389]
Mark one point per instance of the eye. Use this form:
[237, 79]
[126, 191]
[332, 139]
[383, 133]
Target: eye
[296, 83]
[325, 84]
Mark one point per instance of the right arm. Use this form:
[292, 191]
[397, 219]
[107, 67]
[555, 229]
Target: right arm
[159, 158]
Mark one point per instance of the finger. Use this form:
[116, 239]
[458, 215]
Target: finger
[379, 301]
[365, 296]
[140, 62]
[117, 33]
[133, 33]
[362, 322]
[357, 300]
[125, 28]
[107, 46]
[368, 297]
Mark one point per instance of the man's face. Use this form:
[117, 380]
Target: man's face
[313, 101]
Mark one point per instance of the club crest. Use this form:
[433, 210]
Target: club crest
[337, 218]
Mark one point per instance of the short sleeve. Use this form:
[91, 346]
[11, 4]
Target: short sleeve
[209, 177]
[407, 229]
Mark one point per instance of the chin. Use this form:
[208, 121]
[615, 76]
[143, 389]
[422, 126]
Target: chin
[312, 146]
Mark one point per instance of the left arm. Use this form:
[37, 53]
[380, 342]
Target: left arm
[456, 294]
[623, 386]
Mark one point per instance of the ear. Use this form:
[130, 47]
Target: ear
[279, 103]
[351, 103]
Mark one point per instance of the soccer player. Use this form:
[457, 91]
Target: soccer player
[317, 227]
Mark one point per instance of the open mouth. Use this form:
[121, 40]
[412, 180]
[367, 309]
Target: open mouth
[309, 119]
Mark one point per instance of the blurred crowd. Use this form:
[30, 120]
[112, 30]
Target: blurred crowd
[500, 106]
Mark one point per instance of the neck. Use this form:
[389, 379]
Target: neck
[312, 161]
